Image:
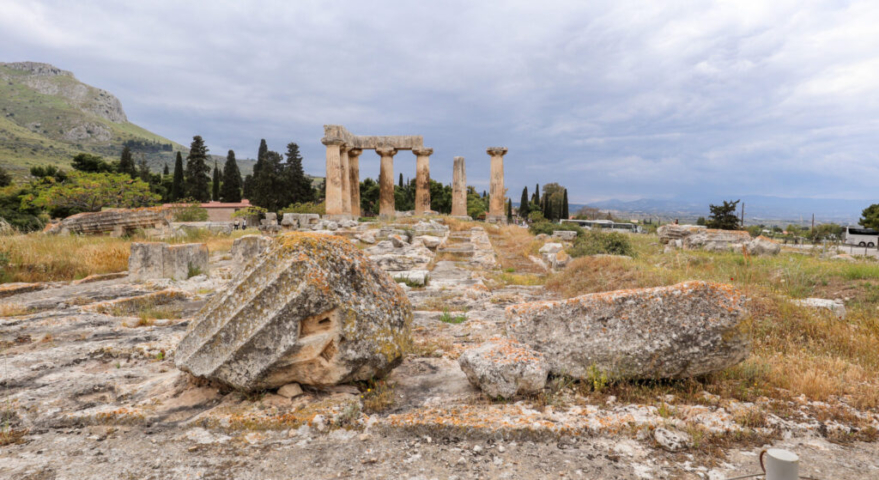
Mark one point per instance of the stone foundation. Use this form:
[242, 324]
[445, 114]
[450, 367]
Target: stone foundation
[149, 261]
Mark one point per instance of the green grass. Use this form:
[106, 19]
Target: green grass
[447, 317]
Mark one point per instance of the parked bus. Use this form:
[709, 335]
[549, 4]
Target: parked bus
[861, 237]
[605, 224]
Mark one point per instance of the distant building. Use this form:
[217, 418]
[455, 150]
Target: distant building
[218, 211]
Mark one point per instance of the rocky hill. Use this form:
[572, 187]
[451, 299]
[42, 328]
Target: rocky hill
[47, 116]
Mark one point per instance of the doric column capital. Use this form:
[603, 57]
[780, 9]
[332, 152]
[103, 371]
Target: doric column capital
[332, 141]
[422, 151]
[355, 152]
[497, 151]
[386, 151]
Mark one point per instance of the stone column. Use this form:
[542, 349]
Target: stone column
[386, 182]
[346, 181]
[354, 180]
[422, 179]
[498, 200]
[333, 182]
[459, 188]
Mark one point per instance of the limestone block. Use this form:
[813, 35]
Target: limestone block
[430, 241]
[684, 330]
[414, 277]
[671, 232]
[186, 260]
[146, 261]
[291, 390]
[672, 440]
[763, 246]
[716, 240]
[503, 368]
[115, 221]
[249, 247]
[290, 221]
[398, 241]
[565, 235]
[551, 248]
[313, 311]
[835, 306]
[154, 260]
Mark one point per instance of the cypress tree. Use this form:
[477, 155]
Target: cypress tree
[230, 190]
[263, 149]
[143, 169]
[296, 183]
[126, 163]
[215, 187]
[565, 206]
[537, 198]
[248, 186]
[510, 210]
[197, 174]
[178, 188]
[524, 209]
[165, 171]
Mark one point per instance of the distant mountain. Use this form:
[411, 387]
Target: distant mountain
[758, 208]
[47, 116]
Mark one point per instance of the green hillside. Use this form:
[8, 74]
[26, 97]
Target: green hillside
[47, 116]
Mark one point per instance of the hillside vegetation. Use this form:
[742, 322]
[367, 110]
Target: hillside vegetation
[47, 116]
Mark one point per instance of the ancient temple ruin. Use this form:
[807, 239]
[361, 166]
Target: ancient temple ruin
[343, 170]
[343, 174]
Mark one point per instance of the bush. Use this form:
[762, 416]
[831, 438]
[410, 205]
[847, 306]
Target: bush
[548, 228]
[595, 242]
[307, 207]
[189, 211]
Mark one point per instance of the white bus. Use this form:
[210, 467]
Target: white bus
[605, 224]
[861, 237]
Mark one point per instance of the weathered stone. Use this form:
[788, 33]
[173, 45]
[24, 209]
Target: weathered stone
[118, 222]
[367, 238]
[565, 235]
[671, 232]
[417, 278]
[689, 329]
[551, 248]
[503, 368]
[835, 306]
[148, 261]
[763, 246]
[190, 228]
[398, 241]
[291, 390]
[10, 289]
[459, 188]
[671, 440]
[314, 311]
[249, 247]
[429, 241]
[717, 240]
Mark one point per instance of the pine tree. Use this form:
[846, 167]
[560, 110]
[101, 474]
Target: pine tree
[143, 169]
[230, 190]
[165, 171]
[197, 174]
[178, 187]
[565, 206]
[524, 208]
[296, 183]
[215, 187]
[126, 163]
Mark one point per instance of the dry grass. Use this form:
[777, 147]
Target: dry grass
[796, 351]
[12, 310]
[45, 258]
[377, 396]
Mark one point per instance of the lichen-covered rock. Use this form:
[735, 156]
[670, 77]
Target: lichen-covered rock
[249, 247]
[671, 232]
[117, 221]
[717, 240]
[502, 367]
[313, 311]
[689, 329]
[565, 235]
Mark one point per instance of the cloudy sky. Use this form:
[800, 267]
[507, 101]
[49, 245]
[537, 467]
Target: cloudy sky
[612, 99]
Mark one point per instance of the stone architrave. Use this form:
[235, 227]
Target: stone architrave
[497, 190]
[314, 311]
[422, 179]
[333, 182]
[346, 181]
[354, 180]
[386, 182]
[459, 188]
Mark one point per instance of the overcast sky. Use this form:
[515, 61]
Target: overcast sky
[611, 99]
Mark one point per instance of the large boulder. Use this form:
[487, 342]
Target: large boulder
[502, 367]
[689, 329]
[763, 246]
[313, 311]
[717, 240]
[672, 231]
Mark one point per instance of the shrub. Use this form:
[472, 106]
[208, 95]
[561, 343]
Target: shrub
[248, 212]
[596, 242]
[190, 211]
[307, 207]
[548, 228]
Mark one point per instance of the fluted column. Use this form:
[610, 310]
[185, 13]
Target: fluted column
[333, 182]
[354, 180]
[346, 181]
[422, 179]
[497, 191]
[386, 182]
[459, 188]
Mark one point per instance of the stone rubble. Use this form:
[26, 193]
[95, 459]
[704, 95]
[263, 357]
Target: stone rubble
[504, 368]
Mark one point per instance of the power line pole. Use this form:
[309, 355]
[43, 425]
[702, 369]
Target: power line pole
[743, 214]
